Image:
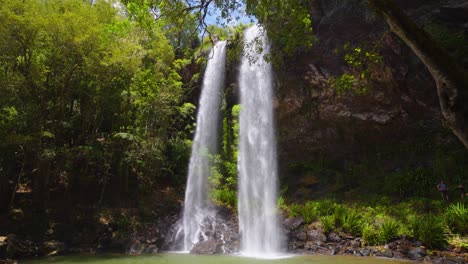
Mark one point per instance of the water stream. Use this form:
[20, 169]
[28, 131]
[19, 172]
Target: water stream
[198, 210]
[259, 227]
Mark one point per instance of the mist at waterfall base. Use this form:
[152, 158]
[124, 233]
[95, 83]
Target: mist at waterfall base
[199, 214]
[261, 234]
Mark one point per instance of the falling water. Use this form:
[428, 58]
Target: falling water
[259, 227]
[197, 206]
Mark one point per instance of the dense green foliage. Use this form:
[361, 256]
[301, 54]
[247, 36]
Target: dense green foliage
[91, 99]
[223, 177]
[288, 23]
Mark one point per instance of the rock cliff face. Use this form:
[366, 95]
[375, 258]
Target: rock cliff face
[323, 135]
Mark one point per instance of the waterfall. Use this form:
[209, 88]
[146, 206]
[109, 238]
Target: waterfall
[259, 227]
[198, 209]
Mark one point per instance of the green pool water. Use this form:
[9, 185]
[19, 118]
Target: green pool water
[173, 258]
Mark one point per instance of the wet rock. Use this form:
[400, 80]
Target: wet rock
[309, 245]
[207, 247]
[18, 247]
[364, 252]
[57, 231]
[385, 253]
[417, 244]
[334, 237]
[151, 249]
[316, 236]
[355, 243]
[417, 253]
[392, 246]
[8, 261]
[223, 228]
[452, 260]
[3, 247]
[299, 235]
[52, 248]
[135, 247]
[335, 250]
[398, 255]
[293, 223]
[231, 246]
[296, 245]
[16, 214]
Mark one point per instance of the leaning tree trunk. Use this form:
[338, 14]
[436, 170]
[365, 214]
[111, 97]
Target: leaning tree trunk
[451, 81]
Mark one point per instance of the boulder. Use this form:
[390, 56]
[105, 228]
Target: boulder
[207, 247]
[8, 261]
[299, 235]
[334, 237]
[3, 247]
[385, 253]
[316, 236]
[417, 253]
[296, 245]
[392, 245]
[135, 247]
[364, 252]
[293, 223]
[52, 248]
[452, 260]
[355, 243]
[231, 246]
[18, 247]
[335, 250]
[151, 249]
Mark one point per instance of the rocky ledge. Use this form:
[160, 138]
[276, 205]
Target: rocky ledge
[310, 239]
[302, 239]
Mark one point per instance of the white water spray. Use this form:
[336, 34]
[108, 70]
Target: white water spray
[259, 227]
[198, 209]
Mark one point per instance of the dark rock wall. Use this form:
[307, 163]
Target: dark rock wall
[321, 133]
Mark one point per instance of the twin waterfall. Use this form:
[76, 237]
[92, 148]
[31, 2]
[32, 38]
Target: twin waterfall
[257, 169]
[256, 165]
[197, 207]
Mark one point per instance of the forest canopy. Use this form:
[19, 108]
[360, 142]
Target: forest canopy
[88, 91]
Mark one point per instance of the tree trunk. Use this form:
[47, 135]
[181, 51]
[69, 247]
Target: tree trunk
[450, 79]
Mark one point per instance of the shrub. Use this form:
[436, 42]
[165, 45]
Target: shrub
[352, 223]
[328, 222]
[226, 197]
[380, 234]
[369, 235]
[325, 207]
[309, 212]
[457, 218]
[430, 230]
[388, 231]
[281, 203]
[295, 210]
[339, 214]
